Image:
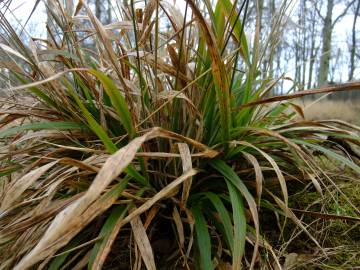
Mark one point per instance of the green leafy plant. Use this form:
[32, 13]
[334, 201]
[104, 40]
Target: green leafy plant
[128, 140]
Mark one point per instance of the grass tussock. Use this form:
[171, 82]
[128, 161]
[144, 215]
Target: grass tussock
[132, 145]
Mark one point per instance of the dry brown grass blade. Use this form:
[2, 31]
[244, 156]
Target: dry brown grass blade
[33, 217]
[191, 222]
[161, 155]
[13, 52]
[79, 164]
[64, 221]
[160, 195]
[45, 114]
[177, 62]
[273, 163]
[78, 7]
[80, 149]
[17, 187]
[206, 151]
[298, 109]
[151, 215]
[175, 17]
[123, 26]
[164, 67]
[148, 12]
[352, 86]
[146, 34]
[40, 82]
[315, 183]
[341, 123]
[186, 165]
[179, 227]
[143, 243]
[173, 55]
[175, 94]
[77, 223]
[81, 264]
[137, 260]
[105, 249]
[259, 178]
[9, 119]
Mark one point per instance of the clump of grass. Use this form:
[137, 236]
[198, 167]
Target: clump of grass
[147, 144]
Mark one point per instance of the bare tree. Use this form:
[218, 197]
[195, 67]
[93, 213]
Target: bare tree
[312, 44]
[326, 47]
[326, 39]
[98, 9]
[103, 10]
[353, 43]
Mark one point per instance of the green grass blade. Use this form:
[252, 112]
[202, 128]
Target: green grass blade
[36, 91]
[93, 124]
[224, 216]
[5, 172]
[239, 225]
[232, 178]
[117, 213]
[117, 100]
[42, 126]
[100, 132]
[219, 73]
[86, 91]
[137, 176]
[203, 239]
[226, 8]
[58, 261]
[43, 96]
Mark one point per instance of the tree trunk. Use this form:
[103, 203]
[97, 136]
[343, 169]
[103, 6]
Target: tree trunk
[260, 8]
[109, 10]
[326, 48]
[261, 12]
[304, 39]
[98, 9]
[313, 50]
[272, 15]
[353, 43]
